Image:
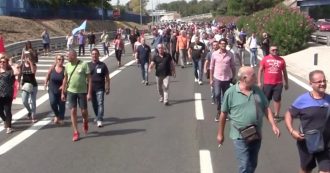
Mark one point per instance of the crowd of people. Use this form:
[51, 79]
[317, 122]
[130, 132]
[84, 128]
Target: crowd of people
[216, 52]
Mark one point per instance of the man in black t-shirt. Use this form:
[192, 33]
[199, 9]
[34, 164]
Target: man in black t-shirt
[91, 40]
[195, 52]
[164, 69]
[100, 84]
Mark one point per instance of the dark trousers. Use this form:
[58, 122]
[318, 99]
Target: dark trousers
[81, 47]
[220, 88]
[118, 55]
[5, 110]
[57, 105]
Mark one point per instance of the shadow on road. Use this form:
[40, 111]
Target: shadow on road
[115, 120]
[94, 134]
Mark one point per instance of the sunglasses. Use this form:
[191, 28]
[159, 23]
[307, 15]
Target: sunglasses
[273, 50]
[3, 62]
[59, 59]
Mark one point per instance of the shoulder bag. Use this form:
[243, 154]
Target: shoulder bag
[314, 138]
[250, 133]
[67, 83]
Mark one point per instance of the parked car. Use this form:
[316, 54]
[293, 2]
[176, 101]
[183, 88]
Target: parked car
[324, 26]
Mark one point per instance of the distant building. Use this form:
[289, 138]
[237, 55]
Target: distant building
[171, 16]
[7, 7]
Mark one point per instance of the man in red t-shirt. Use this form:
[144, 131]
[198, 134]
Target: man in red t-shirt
[273, 68]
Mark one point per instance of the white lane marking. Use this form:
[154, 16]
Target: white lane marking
[10, 144]
[302, 84]
[199, 107]
[23, 135]
[205, 161]
[20, 114]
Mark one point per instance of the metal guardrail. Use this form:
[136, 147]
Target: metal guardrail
[321, 39]
[56, 43]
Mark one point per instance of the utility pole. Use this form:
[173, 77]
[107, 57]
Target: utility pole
[140, 12]
[102, 10]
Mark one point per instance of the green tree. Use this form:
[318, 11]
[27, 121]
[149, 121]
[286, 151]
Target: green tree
[247, 7]
[134, 5]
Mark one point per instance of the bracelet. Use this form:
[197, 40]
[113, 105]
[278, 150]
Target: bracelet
[291, 132]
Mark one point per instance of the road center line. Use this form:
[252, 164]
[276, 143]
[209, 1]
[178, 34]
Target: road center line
[199, 107]
[13, 142]
[205, 161]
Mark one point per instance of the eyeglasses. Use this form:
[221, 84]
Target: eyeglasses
[320, 82]
[274, 50]
[3, 62]
[59, 59]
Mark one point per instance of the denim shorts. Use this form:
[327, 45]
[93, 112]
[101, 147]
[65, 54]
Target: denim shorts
[74, 98]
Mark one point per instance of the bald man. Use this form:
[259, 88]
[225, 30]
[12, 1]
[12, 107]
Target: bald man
[247, 105]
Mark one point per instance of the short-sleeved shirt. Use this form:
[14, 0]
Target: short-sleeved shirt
[45, 38]
[197, 50]
[99, 71]
[78, 81]
[81, 39]
[242, 109]
[163, 65]
[223, 65]
[311, 112]
[144, 52]
[273, 68]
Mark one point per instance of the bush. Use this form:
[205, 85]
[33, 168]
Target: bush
[289, 29]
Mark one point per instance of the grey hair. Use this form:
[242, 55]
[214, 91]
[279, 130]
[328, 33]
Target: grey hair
[72, 51]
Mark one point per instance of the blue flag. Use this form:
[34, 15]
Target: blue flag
[81, 27]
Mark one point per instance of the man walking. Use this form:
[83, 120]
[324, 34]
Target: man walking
[273, 68]
[222, 71]
[253, 46]
[91, 40]
[100, 85]
[143, 56]
[245, 105]
[76, 79]
[81, 42]
[164, 69]
[196, 52]
[181, 47]
[312, 109]
[45, 41]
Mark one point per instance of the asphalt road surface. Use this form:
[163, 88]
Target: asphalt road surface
[140, 134]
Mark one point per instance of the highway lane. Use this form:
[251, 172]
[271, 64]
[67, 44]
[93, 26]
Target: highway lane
[142, 135]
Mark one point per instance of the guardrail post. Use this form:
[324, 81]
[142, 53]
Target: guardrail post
[315, 59]
[316, 38]
[328, 40]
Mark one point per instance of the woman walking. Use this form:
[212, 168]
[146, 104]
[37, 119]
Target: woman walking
[54, 81]
[7, 79]
[119, 48]
[29, 86]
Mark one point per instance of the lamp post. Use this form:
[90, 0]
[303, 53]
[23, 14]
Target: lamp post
[102, 10]
[140, 12]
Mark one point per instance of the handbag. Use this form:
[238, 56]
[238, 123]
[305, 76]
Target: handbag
[314, 138]
[250, 133]
[27, 87]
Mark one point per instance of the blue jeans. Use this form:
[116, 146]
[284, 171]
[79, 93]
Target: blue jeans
[144, 70]
[26, 97]
[220, 88]
[247, 155]
[198, 68]
[105, 49]
[98, 104]
[57, 105]
[253, 56]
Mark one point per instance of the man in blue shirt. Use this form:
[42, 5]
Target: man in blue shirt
[143, 56]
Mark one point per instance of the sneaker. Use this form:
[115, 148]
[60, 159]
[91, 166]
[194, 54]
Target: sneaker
[161, 99]
[85, 126]
[99, 124]
[29, 116]
[33, 120]
[216, 119]
[166, 103]
[146, 83]
[196, 80]
[75, 136]
[143, 81]
[200, 82]
[182, 66]
[9, 130]
[212, 102]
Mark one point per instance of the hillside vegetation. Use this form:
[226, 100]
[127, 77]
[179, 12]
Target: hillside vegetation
[16, 29]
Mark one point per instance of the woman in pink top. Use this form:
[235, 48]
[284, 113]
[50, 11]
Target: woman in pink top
[119, 48]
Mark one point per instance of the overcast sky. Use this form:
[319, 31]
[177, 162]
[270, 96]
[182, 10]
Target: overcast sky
[149, 6]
